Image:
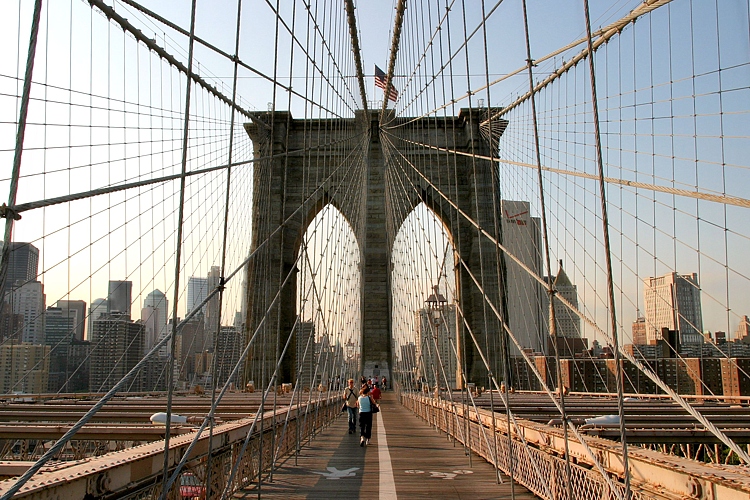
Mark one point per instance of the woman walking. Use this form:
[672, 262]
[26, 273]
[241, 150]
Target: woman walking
[365, 404]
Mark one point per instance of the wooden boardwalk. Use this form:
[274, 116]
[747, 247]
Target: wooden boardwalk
[405, 459]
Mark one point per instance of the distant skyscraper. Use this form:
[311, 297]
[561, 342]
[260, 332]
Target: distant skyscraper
[59, 328]
[10, 323]
[213, 314]
[120, 297]
[154, 316]
[197, 292]
[116, 347]
[568, 323]
[59, 331]
[22, 267]
[190, 343]
[524, 296]
[24, 368]
[28, 300]
[640, 337]
[75, 309]
[743, 331]
[569, 339]
[97, 309]
[673, 301]
[79, 362]
[230, 347]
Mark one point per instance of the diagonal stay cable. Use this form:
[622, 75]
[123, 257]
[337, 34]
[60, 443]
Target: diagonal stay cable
[603, 34]
[110, 13]
[485, 361]
[234, 371]
[225, 387]
[116, 388]
[648, 372]
[24, 207]
[700, 195]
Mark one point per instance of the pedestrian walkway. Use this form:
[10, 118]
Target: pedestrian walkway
[406, 458]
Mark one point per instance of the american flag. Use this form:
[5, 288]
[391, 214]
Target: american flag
[380, 82]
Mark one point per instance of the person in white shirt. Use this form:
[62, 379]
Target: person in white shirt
[365, 405]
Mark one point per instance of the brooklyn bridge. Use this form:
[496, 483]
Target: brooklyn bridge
[511, 235]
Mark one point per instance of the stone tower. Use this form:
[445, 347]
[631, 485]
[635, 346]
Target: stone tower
[302, 165]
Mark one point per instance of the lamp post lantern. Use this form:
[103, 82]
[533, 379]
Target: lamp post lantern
[436, 304]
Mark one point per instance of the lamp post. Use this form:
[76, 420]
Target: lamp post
[349, 347]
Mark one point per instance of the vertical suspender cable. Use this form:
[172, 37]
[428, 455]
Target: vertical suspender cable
[463, 343]
[214, 367]
[501, 275]
[10, 216]
[282, 216]
[268, 262]
[550, 288]
[607, 253]
[178, 252]
[473, 154]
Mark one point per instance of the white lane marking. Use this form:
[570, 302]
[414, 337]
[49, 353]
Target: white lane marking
[334, 473]
[440, 475]
[387, 482]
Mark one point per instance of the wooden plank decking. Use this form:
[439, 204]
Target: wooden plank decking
[422, 463]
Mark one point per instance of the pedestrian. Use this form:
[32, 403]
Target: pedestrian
[375, 394]
[384, 383]
[365, 404]
[350, 396]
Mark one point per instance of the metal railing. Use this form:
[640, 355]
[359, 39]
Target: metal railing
[653, 475]
[136, 473]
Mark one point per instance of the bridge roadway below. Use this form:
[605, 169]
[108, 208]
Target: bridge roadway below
[406, 458]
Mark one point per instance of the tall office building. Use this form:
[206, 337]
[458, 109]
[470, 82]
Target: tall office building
[568, 323]
[524, 295]
[79, 363]
[154, 316]
[190, 342]
[569, 339]
[75, 309]
[98, 308]
[24, 368]
[435, 357]
[116, 347]
[23, 266]
[120, 297]
[229, 350]
[59, 332]
[673, 301]
[28, 300]
[213, 313]
[742, 334]
[639, 330]
[196, 292]
[10, 323]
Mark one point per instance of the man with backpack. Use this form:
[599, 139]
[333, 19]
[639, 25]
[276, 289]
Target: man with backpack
[350, 396]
